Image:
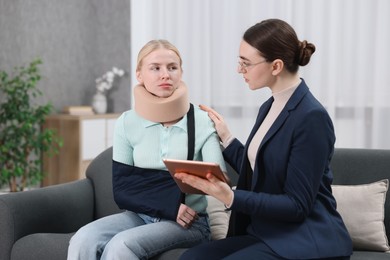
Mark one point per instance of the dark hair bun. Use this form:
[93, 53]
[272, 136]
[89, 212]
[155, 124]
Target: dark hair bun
[306, 49]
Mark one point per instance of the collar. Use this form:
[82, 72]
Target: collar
[181, 124]
[160, 110]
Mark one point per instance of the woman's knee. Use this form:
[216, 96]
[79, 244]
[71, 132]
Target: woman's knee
[119, 248]
[197, 253]
[87, 238]
[80, 238]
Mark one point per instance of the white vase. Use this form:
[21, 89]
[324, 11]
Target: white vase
[99, 103]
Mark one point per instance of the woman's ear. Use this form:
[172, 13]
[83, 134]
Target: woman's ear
[277, 67]
[139, 77]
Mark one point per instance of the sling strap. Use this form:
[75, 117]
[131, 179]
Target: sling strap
[191, 139]
[191, 132]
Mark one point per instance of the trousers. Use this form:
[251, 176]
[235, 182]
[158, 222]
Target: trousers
[238, 248]
[129, 235]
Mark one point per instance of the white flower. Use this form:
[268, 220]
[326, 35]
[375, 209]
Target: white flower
[118, 72]
[110, 76]
[106, 81]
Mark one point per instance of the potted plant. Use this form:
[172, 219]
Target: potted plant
[22, 140]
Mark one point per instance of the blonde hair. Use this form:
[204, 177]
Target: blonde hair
[155, 45]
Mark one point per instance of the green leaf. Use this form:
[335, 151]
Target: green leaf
[21, 140]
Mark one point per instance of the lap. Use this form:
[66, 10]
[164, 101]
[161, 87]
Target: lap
[238, 247]
[162, 233]
[221, 249]
[128, 232]
[148, 240]
[105, 228]
[129, 225]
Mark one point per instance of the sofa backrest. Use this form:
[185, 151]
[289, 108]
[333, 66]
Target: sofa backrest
[99, 172]
[352, 166]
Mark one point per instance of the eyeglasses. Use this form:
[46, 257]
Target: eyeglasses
[242, 65]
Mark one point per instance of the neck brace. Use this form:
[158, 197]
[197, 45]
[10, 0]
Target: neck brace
[161, 110]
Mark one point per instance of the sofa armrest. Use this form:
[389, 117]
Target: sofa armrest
[62, 208]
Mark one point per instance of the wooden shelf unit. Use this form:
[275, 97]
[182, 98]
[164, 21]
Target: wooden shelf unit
[84, 137]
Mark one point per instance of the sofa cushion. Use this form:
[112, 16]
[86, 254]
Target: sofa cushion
[42, 246]
[369, 255]
[362, 209]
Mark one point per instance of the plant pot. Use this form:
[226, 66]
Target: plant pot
[99, 103]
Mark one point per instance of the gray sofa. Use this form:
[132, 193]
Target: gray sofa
[38, 224]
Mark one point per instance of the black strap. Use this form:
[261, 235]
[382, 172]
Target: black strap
[191, 139]
[191, 133]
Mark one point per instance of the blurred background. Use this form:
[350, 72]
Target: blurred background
[79, 40]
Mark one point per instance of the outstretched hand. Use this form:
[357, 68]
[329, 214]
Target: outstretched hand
[211, 186]
[220, 125]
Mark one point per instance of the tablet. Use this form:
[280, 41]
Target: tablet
[197, 168]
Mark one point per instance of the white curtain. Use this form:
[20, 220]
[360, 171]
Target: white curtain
[349, 73]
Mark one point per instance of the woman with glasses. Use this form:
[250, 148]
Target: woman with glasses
[283, 207]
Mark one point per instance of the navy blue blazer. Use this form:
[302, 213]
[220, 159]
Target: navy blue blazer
[287, 200]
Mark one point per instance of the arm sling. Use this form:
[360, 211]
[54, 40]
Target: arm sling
[149, 191]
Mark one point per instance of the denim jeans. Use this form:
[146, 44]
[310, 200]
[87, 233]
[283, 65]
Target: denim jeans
[129, 235]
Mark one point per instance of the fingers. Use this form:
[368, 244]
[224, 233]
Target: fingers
[219, 123]
[194, 181]
[186, 216]
[214, 117]
[190, 214]
[208, 186]
[186, 178]
[211, 186]
[183, 223]
[205, 108]
[211, 177]
[211, 112]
